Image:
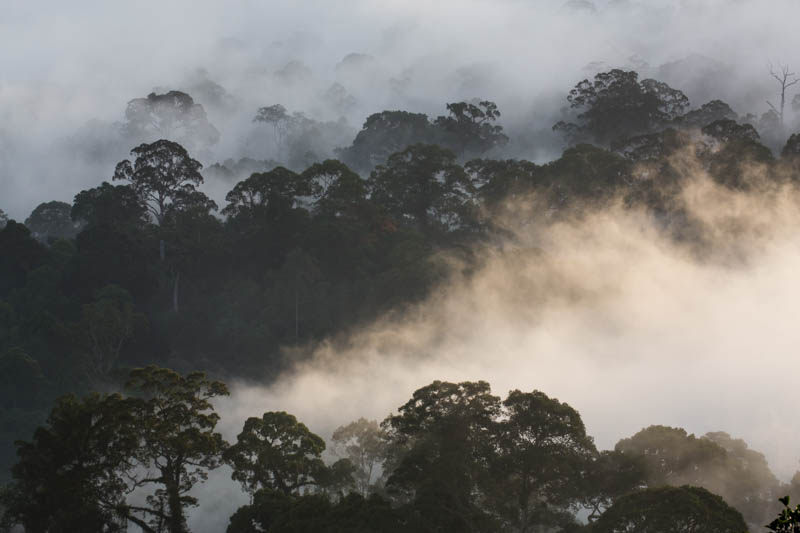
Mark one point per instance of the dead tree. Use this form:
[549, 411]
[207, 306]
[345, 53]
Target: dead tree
[786, 79]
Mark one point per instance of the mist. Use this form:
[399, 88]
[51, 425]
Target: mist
[605, 309]
[69, 71]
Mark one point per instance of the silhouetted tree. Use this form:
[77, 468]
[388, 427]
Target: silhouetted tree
[276, 452]
[173, 116]
[616, 105]
[52, 220]
[683, 509]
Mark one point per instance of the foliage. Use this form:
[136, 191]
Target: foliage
[175, 425]
[364, 444]
[386, 133]
[468, 130]
[51, 220]
[543, 450]
[616, 106]
[423, 187]
[173, 116]
[163, 176]
[788, 520]
[276, 452]
[72, 475]
[684, 509]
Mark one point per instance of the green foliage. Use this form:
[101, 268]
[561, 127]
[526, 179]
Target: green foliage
[469, 129]
[275, 512]
[386, 133]
[266, 194]
[616, 106]
[788, 520]
[71, 476]
[116, 207]
[423, 187]
[683, 509]
[163, 176]
[715, 462]
[544, 449]
[276, 452]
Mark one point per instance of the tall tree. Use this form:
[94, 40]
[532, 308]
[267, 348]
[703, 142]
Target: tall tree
[616, 105]
[173, 115]
[276, 452]
[364, 443]
[386, 133]
[785, 79]
[175, 422]
[441, 445]
[683, 509]
[72, 475]
[424, 187]
[273, 192]
[470, 129]
[163, 176]
[544, 451]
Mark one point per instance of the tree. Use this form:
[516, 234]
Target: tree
[683, 509]
[441, 446]
[364, 444]
[336, 190]
[386, 133]
[175, 424]
[276, 452]
[174, 116]
[716, 462]
[118, 207]
[788, 520]
[20, 254]
[163, 176]
[52, 220]
[106, 325]
[424, 187]
[469, 129]
[277, 513]
[616, 105]
[543, 451]
[727, 130]
[785, 79]
[72, 476]
[271, 192]
[585, 172]
[673, 457]
[738, 148]
[652, 146]
[609, 475]
[3, 219]
[21, 379]
[500, 181]
[707, 113]
[280, 120]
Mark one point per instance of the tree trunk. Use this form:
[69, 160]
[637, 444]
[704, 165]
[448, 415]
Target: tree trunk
[176, 522]
[162, 249]
[175, 292]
